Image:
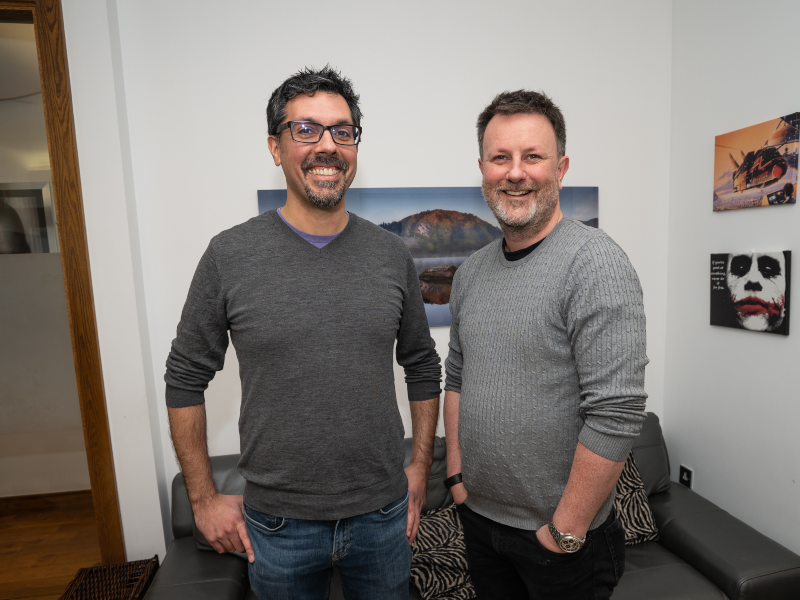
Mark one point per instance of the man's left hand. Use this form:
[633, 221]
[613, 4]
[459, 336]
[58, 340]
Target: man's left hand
[546, 540]
[417, 475]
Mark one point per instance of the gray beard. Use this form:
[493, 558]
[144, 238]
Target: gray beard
[328, 200]
[337, 190]
[539, 214]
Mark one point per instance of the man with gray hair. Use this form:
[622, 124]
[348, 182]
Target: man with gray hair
[315, 300]
[545, 376]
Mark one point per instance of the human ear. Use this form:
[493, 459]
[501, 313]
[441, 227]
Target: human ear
[274, 149]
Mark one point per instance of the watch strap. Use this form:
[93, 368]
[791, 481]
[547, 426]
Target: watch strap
[452, 480]
[566, 541]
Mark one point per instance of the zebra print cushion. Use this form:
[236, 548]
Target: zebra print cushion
[632, 507]
[439, 557]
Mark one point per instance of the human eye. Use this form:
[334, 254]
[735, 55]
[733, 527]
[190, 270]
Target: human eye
[305, 130]
[344, 133]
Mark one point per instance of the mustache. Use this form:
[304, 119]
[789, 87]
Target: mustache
[323, 160]
[529, 187]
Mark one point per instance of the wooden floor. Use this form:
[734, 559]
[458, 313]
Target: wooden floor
[44, 540]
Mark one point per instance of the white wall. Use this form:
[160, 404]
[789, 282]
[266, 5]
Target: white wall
[100, 124]
[41, 437]
[197, 80]
[188, 83]
[731, 407]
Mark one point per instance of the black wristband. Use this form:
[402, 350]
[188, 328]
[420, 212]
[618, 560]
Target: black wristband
[451, 481]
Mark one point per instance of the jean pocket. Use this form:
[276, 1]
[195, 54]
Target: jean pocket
[263, 521]
[395, 506]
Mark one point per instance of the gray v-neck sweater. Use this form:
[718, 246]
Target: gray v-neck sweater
[314, 331]
[546, 351]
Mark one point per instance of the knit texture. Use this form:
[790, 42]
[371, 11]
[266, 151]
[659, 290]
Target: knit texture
[545, 351]
[314, 330]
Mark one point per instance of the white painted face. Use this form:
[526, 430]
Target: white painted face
[757, 283]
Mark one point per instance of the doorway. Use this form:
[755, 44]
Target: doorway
[43, 254]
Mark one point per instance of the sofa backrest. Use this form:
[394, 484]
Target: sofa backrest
[650, 454]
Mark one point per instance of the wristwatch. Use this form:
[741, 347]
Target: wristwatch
[566, 541]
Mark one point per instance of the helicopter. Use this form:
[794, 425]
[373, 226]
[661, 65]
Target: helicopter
[767, 165]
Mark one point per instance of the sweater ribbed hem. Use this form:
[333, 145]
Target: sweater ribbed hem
[527, 519]
[178, 398]
[423, 390]
[309, 506]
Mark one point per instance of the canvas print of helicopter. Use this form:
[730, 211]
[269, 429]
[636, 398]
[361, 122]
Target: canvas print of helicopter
[757, 165]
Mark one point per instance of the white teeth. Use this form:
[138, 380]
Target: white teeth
[331, 171]
[516, 193]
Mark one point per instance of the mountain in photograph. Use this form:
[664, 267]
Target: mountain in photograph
[440, 232]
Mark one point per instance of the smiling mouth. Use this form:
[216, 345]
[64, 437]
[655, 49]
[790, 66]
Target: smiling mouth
[324, 171]
[752, 306]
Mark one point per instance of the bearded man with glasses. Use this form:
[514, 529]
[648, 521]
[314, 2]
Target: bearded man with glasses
[314, 299]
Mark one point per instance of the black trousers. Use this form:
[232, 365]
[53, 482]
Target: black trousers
[509, 563]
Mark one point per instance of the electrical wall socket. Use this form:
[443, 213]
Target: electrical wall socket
[687, 476]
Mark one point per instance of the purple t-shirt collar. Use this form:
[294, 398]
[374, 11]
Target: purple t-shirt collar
[320, 241]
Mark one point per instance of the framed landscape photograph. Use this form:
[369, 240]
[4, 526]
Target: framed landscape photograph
[442, 227]
[751, 290]
[757, 165]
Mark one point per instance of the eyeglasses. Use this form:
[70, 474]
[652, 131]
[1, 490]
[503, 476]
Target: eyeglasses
[307, 132]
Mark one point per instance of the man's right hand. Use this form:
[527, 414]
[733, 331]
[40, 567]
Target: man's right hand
[459, 493]
[221, 520]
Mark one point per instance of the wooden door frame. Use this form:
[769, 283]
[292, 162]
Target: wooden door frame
[47, 19]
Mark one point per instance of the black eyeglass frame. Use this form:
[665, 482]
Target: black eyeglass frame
[325, 128]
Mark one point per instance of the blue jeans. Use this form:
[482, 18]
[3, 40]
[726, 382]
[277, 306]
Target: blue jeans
[295, 558]
[511, 564]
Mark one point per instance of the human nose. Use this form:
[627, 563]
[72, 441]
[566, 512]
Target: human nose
[326, 143]
[515, 172]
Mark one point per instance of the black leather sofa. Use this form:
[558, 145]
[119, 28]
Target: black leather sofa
[703, 553]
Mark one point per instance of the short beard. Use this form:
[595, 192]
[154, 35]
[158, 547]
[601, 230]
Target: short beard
[540, 210]
[336, 189]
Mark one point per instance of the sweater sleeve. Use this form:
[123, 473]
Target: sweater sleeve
[606, 326]
[454, 362]
[416, 350]
[198, 351]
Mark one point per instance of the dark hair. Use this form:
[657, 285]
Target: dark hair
[529, 103]
[308, 81]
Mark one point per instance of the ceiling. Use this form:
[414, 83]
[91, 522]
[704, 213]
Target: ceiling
[23, 137]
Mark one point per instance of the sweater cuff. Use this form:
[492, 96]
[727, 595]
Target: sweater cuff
[423, 390]
[178, 398]
[612, 447]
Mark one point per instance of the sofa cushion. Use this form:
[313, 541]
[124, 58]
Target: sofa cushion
[650, 452]
[439, 562]
[632, 508]
[654, 573]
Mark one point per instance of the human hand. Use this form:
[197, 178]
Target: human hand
[546, 539]
[221, 520]
[417, 475]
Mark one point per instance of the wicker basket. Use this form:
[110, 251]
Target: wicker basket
[125, 581]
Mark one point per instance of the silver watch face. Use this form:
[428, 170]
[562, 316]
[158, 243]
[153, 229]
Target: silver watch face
[570, 543]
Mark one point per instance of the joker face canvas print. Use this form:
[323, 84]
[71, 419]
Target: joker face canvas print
[750, 290]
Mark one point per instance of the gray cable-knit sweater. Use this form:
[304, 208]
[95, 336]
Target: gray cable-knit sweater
[545, 351]
[314, 330]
